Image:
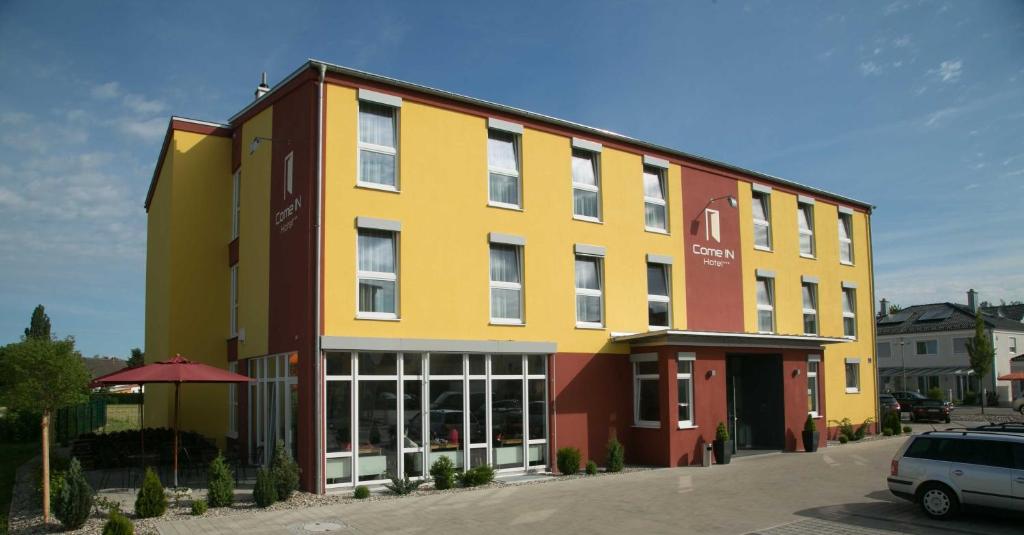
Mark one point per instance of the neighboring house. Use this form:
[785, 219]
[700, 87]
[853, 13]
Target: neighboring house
[407, 273]
[98, 366]
[927, 346]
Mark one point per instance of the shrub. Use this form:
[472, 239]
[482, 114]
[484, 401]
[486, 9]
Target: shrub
[198, 507]
[402, 485]
[843, 439]
[862, 429]
[809, 425]
[891, 421]
[568, 460]
[616, 456]
[285, 471]
[102, 504]
[118, 524]
[443, 472]
[935, 393]
[150, 502]
[721, 433]
[361, 493]
[908, 429]
[970, 397]
[591, 468]
[265, 491]
[474, 477]
[887, 432]
[74, 501]
[220, 483]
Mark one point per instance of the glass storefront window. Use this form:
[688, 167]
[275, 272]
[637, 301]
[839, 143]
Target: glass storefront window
[507, 422]
[441, 364]
[339, 470]
[536, 364]
[478, 412]
[506, 364]
[339, 415]
[538, 409]
[378, 363]
[477, 364]
[339, 364]
[377, 423]
[412, 364]
[446, 417]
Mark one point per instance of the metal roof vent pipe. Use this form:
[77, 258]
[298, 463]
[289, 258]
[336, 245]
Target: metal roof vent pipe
[263, 88]
[972, 300]
[884, 305]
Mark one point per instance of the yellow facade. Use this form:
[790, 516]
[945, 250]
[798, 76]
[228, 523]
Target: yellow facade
[785, 260]
[254, 239]
[443, 259]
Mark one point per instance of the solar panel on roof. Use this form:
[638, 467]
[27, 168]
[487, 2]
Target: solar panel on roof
[937, 314]
[898, 317]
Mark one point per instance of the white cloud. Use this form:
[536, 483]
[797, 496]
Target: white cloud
[896, 7]
[901, 42]
[106, 91]
[936, 116]
[870, 68]
[141, 105]
[949, 70]
[147, 129]
[969, 187]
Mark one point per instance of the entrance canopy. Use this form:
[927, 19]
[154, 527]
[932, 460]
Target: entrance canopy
[896, 371]
[727, 339]
[1014, 376]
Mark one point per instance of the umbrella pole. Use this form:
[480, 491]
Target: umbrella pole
[176, 387]
[142, 427]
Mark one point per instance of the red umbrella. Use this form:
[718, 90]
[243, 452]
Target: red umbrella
[176, 370]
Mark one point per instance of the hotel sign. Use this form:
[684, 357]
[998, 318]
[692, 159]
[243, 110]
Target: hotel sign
[713, 257]
[284, 219]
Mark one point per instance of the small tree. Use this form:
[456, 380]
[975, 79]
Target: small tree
[151, 501]
[219, 483]
[42, 375]
[443, 472]
[137, 359]
[264, 493]
[74, 500]
[39, 325]
[285, 471]
[616, 456]
[980, 350]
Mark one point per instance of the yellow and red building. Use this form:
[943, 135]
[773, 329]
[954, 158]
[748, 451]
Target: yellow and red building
[407, 273]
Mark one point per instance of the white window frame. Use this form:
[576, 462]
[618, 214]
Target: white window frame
[808, 208]
[816, 361]
[666, 272]
[770, 307]
[813, 286]
[233, 315]
[288, 183]
[233, 403]
[595, 162]
[654, 201]
[589, 292]
[767, 222]
[1012, 344]
[855, 363]
[515, 173]
[518, 286]
[846, 242]
[236, 203]
[637, 378]
[850, 296]
[380, 149]
[926, 353]
[378, 275]
[691, 359]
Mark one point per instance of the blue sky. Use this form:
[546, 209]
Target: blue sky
[915, 106]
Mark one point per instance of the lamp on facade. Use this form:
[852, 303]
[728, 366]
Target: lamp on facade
[256, 143]
[732, 200]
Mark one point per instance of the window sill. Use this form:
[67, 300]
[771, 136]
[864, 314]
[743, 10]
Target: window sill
[656, 328]
[808, 256]
[377, 318]
[590, 326]
[846, 263]
[378, 187]
[507, 323]
[763, 249]
[853, 391]
[683, 427]
[512, 207]
[646, 426]
[656, 231]
[586, 219]
[850, 337]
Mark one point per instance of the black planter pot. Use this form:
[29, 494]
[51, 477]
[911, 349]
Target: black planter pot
[723, 451]
[811, 440]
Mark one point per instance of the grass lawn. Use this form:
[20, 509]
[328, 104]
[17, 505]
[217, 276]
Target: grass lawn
[11, 457]
[121, 418]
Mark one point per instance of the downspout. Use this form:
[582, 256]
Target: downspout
[874, 320]
[317, 282]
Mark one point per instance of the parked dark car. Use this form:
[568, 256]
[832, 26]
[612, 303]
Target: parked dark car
[907, 400]
[930, 409]
[887, 404]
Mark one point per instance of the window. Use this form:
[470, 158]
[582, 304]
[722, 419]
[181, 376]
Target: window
[503, 169]
[684, 383]
[1013, 344]
[589, 300]
[805, 217]
[586, 185]
[765, 305]
[762, 221]
[506, 284]
[289, 175]
[378, 145]
[810, 300]
[850, 312]
[845, 238]
[813, 363]
[852, 376]
[233, 321]
[646, 408]
[236, 202]
[883, 350]
[960, 346]
[927, 347]
[658, 298]
[233, 403]
[377, 274]
[655, 210]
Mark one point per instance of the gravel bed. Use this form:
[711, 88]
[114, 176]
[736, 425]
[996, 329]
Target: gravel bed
[27, 518]
[988, 418]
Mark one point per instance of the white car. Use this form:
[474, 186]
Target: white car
[943, 471]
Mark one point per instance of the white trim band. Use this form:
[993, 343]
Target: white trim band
[761, 188]
[644, 357]
[591, 250]
[845, 210]
[380, 98]
[848, 285]
[378, 224]
[355, 343]
[507, 239]
[766, 273]
[659, 259]
[504, 126]
[852, 360]
[686, 355]
[654, 161]
[803, 199]
[584, 144]
[810, 279]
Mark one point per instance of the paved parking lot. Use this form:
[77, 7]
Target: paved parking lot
[836, 490]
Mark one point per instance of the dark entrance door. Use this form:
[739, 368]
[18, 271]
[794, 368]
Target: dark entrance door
[755, 401]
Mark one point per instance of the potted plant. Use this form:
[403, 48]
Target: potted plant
[722, 445]
[810, 435]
